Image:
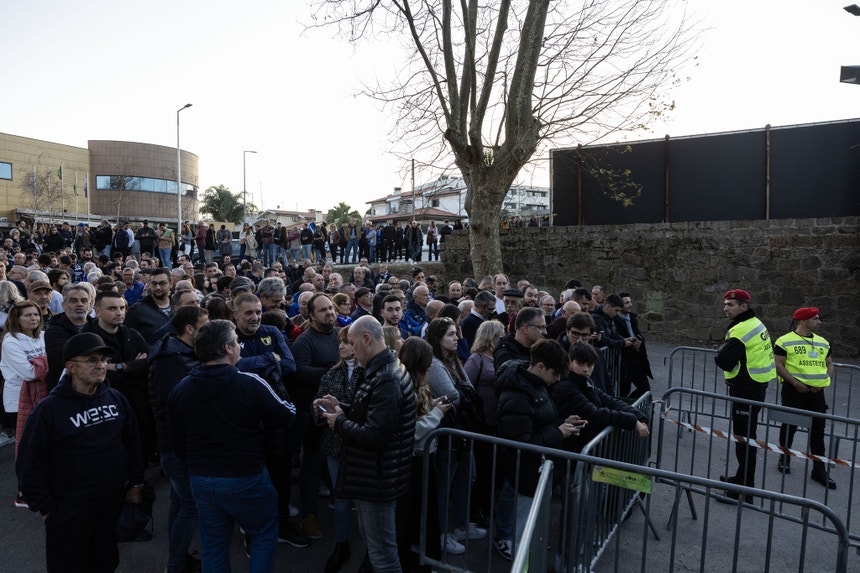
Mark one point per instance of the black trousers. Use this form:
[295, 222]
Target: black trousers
[814, 402]
[745, 424]
[80, 535]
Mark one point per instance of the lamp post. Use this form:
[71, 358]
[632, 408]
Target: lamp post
[245, 188]
[179, 175]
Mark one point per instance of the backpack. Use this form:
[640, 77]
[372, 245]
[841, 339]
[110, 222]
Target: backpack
[121, 239]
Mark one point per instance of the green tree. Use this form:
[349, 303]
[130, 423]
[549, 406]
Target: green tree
[501, 81]
[341, 213]
[223, 205]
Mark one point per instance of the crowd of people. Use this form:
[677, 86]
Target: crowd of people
[235, 375]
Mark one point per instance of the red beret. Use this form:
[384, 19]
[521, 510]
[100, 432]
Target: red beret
[805, 313]
[738, 294]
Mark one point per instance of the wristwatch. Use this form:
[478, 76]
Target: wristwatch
[119, 367]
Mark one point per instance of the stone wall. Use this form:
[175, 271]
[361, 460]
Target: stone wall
[678, 272]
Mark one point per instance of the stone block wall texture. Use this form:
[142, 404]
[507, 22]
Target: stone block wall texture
[677, 273]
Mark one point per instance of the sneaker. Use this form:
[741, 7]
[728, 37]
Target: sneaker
[6, 440]
[472, 531]
[289, 535]
[503, 546]
[311, 527]
[294, 511]
[20, 502]
[783, 466]
[451, 546]
[323, 491]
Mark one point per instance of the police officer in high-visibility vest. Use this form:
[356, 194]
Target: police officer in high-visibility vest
[805, 369]
[747, 360]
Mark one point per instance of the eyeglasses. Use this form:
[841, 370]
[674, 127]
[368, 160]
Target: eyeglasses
[575, 334]
[540, 327]
[94, 360]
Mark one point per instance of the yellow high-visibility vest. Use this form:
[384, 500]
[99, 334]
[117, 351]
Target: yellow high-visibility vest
[759, 351]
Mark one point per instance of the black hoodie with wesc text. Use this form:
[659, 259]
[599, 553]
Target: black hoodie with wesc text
[78, 446]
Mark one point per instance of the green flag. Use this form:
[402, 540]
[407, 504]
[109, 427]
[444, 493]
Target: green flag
[60, 172]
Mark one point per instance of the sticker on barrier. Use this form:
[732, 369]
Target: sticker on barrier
[760, 444]
[620, 478]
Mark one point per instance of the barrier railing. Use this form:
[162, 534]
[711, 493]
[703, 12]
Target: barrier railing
[761, 540]
[692, 367]
[695, 438]
[612, 357]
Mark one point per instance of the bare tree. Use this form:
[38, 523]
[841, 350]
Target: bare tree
[501, 80]
[41, 191]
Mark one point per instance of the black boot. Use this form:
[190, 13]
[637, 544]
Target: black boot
[784, 464]
[339, 556]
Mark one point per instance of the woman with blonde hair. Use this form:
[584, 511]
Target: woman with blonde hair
[481, 370]
[339, 382]
[9, 297]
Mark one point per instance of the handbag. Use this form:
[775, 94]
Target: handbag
[134, 517]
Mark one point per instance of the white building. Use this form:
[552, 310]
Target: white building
[445, 198]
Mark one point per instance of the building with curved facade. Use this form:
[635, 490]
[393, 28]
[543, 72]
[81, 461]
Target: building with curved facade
[116, 180]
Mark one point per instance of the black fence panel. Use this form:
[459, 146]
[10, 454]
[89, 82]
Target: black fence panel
[797, 171]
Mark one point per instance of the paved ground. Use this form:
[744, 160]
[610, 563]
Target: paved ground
[22, 534]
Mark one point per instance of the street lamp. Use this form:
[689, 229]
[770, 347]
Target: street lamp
[244, 188]
[179, 175]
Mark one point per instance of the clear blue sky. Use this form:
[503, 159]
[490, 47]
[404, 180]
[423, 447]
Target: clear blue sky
[113, 70]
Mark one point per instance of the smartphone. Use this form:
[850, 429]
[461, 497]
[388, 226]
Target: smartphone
[447, 400]
[321, 409]
[580, 423]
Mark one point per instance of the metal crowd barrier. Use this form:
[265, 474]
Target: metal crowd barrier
[695, 438]
[612, 359]
[692, 367]
[758, 541]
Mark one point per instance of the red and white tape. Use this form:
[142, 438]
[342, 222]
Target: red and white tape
[760, 444]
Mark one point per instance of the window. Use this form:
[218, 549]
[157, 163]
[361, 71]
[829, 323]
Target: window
[148, 184]
[434, 202]
[5, 171]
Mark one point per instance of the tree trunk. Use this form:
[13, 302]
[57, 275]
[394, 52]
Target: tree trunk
[488, 186]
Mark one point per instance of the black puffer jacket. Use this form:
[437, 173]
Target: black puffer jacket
[528, 415]
[378, 431]
[577, 395]
[509, 348]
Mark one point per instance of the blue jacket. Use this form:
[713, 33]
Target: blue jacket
[258, 352]
[216, 419]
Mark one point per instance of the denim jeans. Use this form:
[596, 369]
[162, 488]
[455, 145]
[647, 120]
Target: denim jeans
[351, 250]
[512, 511]
[252, 502]
[269, 252]
[164, 256]
[376, 521]
[306, 251]
[342, 507]
[454, 478]
[182, 518]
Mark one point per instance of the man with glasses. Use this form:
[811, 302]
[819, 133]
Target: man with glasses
[580, 328]
[79, 460]
[530, 326]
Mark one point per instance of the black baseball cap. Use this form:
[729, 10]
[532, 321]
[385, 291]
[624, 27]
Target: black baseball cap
[84, 344]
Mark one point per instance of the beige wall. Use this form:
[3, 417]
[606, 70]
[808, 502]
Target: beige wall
[24, 153]
[100, 158]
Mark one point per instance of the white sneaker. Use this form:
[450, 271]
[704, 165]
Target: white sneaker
[6, 440]
[503, 546]
[451, 546]
[294, 511]
[472, 531]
